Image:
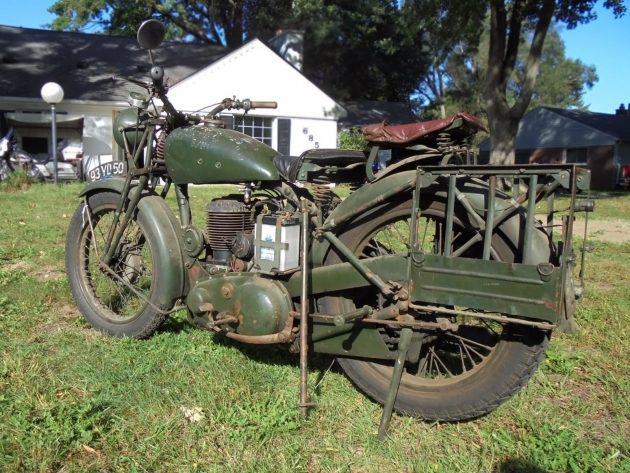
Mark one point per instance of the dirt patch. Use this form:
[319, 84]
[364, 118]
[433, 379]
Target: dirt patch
[64, 319]
[612, 230]
[18, 266]
[48, 273]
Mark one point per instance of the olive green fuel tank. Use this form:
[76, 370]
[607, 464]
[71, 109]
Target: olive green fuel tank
[211, 155]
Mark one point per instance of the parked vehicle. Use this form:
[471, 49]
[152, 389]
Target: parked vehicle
[12, 158]
[435, 287]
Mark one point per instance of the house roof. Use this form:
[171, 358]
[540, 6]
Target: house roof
[369, 111]
[550, 127]
[617, 126]
[83, 64]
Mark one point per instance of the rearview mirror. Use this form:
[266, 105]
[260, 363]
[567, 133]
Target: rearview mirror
[151, 34]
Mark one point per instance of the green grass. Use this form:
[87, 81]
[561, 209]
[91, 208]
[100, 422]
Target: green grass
[74, 400]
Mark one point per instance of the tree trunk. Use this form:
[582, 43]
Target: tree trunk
[503, 139]
[503, 119]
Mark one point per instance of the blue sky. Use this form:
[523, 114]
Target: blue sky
[603, 43]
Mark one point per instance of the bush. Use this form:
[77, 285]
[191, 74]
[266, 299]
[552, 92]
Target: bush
[352, 139]
[16, 181]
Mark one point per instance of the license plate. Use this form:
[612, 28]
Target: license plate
[113, 168]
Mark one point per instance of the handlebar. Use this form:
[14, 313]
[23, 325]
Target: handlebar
[254, 104]
[246, 104]
[156, 87]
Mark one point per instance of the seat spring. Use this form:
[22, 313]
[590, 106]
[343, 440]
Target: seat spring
[324, 197]
[444, 142]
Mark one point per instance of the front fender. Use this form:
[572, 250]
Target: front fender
[164, 225]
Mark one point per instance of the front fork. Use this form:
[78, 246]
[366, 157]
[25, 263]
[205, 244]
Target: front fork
[132, 196]
[116, 231]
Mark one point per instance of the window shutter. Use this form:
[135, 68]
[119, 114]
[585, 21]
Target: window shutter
[228, 121]
[284, 136]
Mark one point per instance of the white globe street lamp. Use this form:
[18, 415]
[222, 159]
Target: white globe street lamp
[52, 93]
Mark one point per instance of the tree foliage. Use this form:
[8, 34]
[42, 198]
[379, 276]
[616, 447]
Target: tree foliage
[354, 49]
[561, 81]
[224, 22]
[361, 49]
[452, 30]
[380, 50]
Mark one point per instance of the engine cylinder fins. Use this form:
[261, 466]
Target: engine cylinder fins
[227, 217]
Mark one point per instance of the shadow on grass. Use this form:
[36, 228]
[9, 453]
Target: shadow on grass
[274, 354]
[517, 465]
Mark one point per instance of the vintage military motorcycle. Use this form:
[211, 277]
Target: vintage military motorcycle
[433, 283]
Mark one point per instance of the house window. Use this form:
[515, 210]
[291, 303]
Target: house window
[256, 127]
[576, 156]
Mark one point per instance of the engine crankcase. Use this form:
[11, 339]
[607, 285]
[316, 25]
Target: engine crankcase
[261, 306]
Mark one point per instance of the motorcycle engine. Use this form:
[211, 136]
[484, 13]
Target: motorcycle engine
[257, 235]
[230, 229]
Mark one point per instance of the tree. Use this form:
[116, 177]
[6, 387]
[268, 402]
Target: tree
[508, 19]
[225, 22]
[353, 50]
[361, 49]
[452, 29]
[561, 81]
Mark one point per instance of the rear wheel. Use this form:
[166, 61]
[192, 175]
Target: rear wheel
[123, 303]
[462, 372]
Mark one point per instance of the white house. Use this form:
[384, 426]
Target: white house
[305, 118]
[83, 64]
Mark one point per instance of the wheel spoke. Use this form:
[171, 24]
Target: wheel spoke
[439, 361]
[472, 360]
[422, 367]
[461, 357]
[430, 363]
[470, 341]
[131, 262]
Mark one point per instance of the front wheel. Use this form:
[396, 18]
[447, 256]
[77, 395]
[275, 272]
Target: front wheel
[123, 303]
[463, 372]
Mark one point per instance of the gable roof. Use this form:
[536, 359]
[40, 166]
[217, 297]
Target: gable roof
[617, 126]
[83, 64]
[255, 71]
[370, 111]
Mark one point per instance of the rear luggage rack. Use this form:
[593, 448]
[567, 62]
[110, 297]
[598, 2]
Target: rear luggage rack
[527, 287]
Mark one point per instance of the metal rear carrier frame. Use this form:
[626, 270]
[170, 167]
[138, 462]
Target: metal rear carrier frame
[501, 193]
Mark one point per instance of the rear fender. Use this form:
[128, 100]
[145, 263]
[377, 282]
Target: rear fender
[373, 194]
[164, 225]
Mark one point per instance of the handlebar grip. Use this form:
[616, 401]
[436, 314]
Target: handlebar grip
[255, 104]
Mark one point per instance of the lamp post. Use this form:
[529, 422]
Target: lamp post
[52, 93]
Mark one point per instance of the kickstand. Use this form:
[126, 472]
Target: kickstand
[403, 347]
[304, 404]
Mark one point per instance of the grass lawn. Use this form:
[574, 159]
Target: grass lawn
[74, 400]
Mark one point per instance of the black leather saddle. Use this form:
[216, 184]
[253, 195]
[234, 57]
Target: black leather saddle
[289, 166]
